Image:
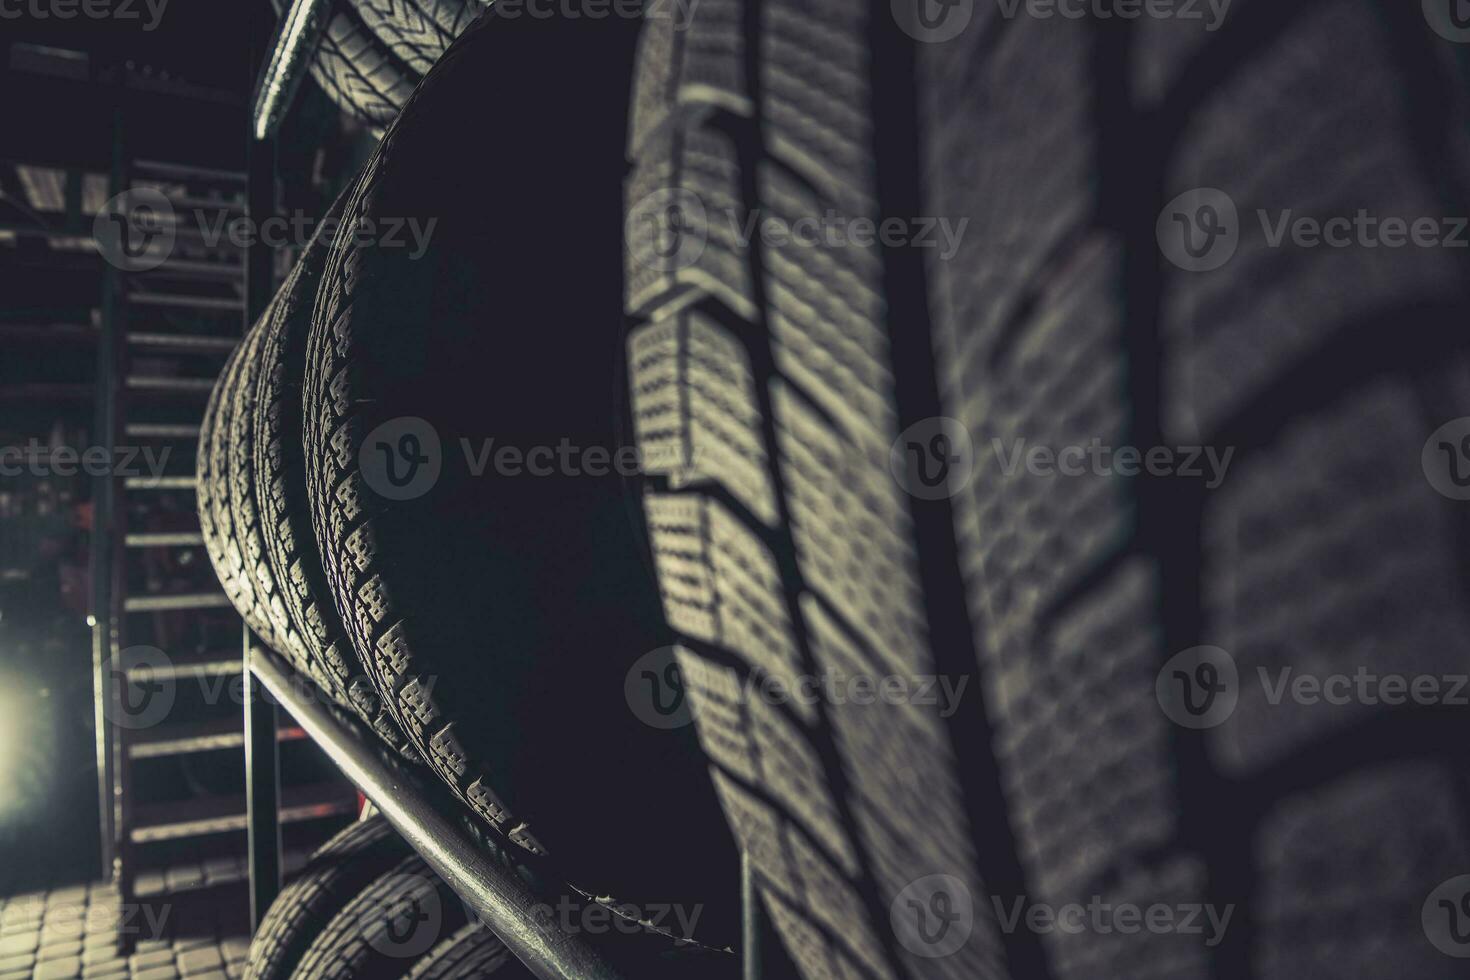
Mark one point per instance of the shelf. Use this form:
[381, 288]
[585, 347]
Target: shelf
[208, 815]
[190, 738]
[164, 539]
[175, 603]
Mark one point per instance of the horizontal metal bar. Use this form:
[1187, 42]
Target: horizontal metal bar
[162, 430]
[158, 743]
[184, 171]
[223, 815]
[504, 902]
[161, 483]
[189, 302]
[164, 539]
[184, 341]
[171, 603]
[148, 382]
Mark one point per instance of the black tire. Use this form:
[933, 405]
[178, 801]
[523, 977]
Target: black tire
[228, 539]
[787, 550]
[302, 604]
[246, 553]
[418, 31]
[470, 954]
[397, 919]
[336, 874]
[373, 52]
[499, 616]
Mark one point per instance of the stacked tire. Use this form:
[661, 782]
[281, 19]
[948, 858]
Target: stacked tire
[249, 477]
[373, 52]
[366, 906]
[486, 622]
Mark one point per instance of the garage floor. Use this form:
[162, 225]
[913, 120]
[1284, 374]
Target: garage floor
[74, 932]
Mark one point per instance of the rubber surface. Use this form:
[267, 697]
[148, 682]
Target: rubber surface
[781, 378]
[500, 614]
[469, 954]
[336, 874]
[373, 52]
[302, 605]
[399, 917]
[231, 533]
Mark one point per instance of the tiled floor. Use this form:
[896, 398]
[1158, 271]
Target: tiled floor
[74, 932]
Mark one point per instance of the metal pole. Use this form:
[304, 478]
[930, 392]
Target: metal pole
[502, 900]
[104, 620]
[262, 751]
[262, 793]
[751, 913]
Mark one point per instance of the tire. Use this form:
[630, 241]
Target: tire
[785, 379]
[418, 31]
[246, 552]
[229, 540]
[398, 918]
[302, 605]
[373, 52]
[470, 954]
[502, 679]
[336, 874]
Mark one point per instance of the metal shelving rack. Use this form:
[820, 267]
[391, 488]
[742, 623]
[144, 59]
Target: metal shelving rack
[503, 893]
